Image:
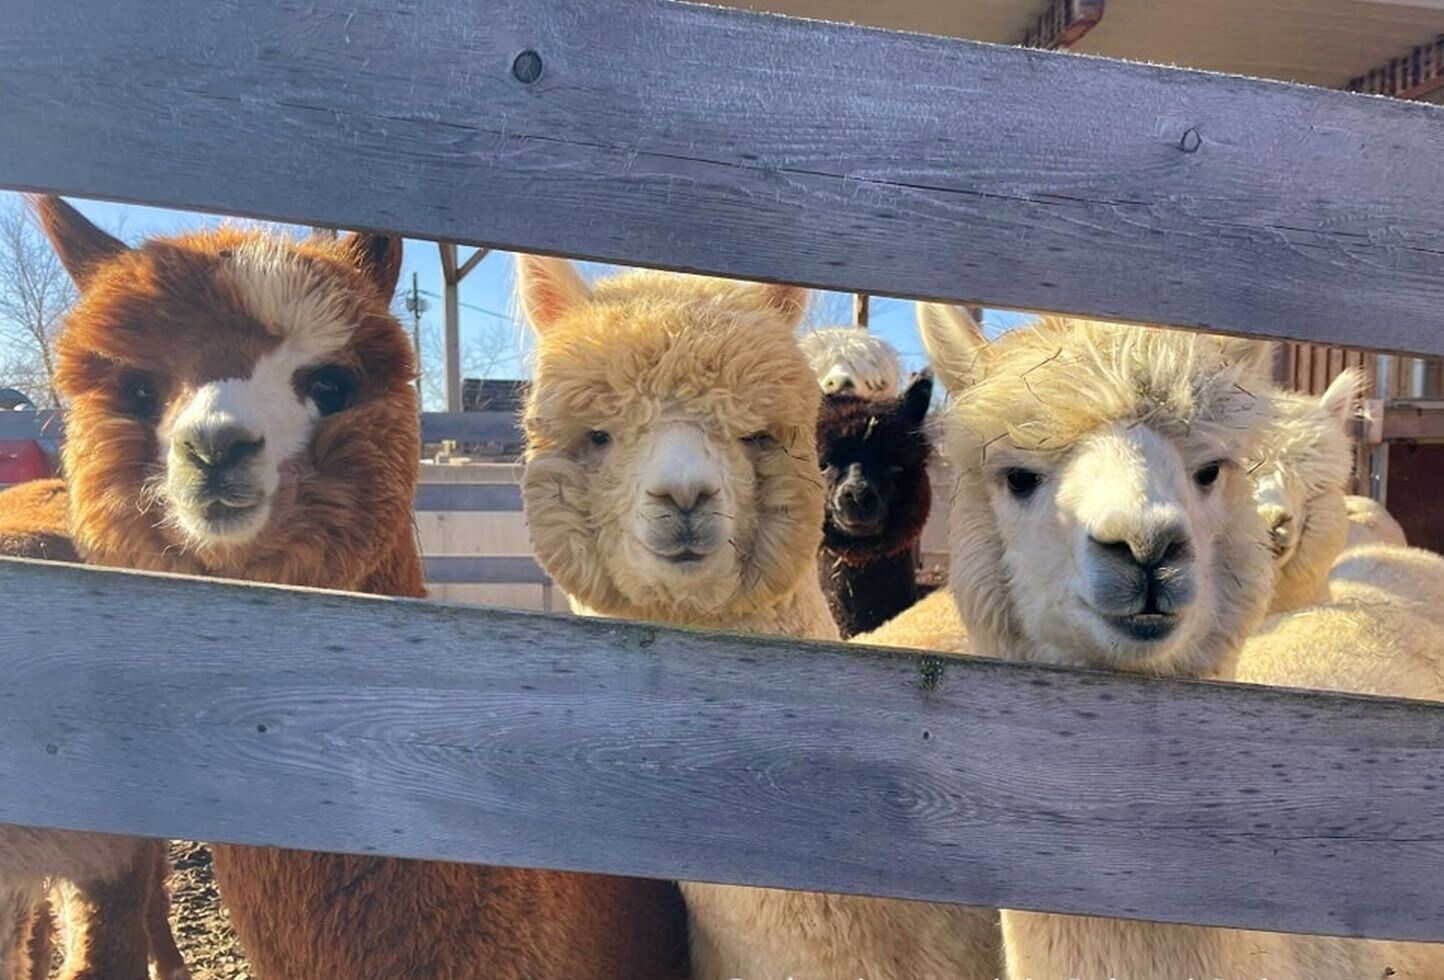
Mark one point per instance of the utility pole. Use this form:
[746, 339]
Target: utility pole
[860, 310]
[416, 306]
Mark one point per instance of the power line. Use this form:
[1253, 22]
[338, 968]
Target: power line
[471, 306]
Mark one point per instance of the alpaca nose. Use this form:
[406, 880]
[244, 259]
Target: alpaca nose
[220, 447]
[1280, 524]
[858, 496]
[1165, 546]
[839, 383]
[686, 495]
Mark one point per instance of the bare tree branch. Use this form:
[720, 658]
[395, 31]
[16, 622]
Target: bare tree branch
[35, 293]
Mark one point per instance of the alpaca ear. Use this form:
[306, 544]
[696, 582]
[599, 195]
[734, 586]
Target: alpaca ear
[1341, 398]
[788, 302]
[82, 246]
[918, 397]
[953, 340]
[378, 257]
[549, 289]
[1257, 356]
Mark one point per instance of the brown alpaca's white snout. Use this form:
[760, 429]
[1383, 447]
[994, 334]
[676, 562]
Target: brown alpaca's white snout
[683, 520]
[226, 449]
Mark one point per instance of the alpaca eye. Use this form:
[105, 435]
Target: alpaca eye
[1207, 476]
[329, 388]
[1021, 483]
[139, 396]
[759, 440]
[598, 438]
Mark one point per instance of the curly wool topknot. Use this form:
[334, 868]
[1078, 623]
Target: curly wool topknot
[1044, 388]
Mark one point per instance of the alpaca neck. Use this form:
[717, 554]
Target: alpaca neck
[400, 572]
[864, 596]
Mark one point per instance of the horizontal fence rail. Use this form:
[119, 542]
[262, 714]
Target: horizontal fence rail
[435, 731]
[679, 136]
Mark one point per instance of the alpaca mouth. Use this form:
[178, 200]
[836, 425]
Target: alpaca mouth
[869, 527]
[685, 558]
[222, 519]
[1144, 627]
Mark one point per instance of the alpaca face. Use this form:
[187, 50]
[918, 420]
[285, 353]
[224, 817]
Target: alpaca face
[671, 472]
[874, 457]
[1300, 484]
[850, 361]
[233, 395]
[1103, 516]
[1124, 530]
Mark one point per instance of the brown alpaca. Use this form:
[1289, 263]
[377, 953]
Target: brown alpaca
[242, 406]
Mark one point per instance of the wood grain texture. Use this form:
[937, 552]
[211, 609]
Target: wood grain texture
[242, 713]
[471, 427]
[468, 497]
[689, 137]
[484, 570]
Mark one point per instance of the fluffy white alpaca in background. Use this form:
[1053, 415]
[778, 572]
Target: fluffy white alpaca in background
[1104, 518]
[851, 361]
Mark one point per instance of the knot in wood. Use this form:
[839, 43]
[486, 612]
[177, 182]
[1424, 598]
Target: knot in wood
[1191, 141]
[527, 67]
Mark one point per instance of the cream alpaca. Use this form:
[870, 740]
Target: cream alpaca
[1103, 518]
[851, 361]
[1299, 485]
[672, 476]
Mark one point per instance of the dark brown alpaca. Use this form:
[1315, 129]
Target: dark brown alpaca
[242, 405]
[874, 456]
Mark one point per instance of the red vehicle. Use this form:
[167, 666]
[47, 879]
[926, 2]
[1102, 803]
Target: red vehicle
[23, 454]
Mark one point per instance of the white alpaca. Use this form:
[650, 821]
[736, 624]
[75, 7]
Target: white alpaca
[1103, 517]
[1300, 483]
[672, 476]
[1370, 523]
[851, 361]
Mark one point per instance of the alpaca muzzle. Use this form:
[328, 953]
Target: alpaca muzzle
[1141, 588]
[213, 481]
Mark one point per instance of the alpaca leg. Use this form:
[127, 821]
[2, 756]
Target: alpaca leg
[105, 923]
[17, 899]
[169, 963]
[40, 945]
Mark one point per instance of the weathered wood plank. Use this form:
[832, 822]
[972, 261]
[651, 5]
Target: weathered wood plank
[469, 497]
[688, 137]
[190, 708]
[485, 570]
[471, 427]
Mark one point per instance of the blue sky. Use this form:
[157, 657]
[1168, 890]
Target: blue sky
[488, 321]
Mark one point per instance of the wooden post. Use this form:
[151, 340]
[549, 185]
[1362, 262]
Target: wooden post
[451, 334]
[860, 310]
[452, 274]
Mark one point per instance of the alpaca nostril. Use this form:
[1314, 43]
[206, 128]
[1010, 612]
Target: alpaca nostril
[1170, 546]
[685, 500]
[220, 447]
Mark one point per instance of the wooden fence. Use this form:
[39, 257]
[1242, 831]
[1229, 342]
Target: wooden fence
[687, 137]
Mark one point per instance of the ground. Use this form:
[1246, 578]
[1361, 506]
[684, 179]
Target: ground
[201, 927]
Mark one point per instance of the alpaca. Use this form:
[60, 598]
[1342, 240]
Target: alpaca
[1377, 632]
[932, 623]
[33, 522]
[851, 361]
[242, 405]
[874, 456]
[1104, 518]
[1370, 523]
[671, 476]
[1299, 486]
